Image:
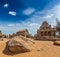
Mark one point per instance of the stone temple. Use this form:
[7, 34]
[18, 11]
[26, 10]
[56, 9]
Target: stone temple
[24, 33]
[46, 31]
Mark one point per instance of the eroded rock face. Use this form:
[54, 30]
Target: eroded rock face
[19, 45]
[24, 33]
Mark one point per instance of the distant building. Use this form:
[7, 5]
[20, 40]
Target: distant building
[0, 34]
[24, 33]
[45, 31]
[4, 36]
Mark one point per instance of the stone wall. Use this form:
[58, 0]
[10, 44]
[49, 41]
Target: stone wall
[45, 32]
[24, 33]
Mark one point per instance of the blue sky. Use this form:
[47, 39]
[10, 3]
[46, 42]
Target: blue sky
[27, 14]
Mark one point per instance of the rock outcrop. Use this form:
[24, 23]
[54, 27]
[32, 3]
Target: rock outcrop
[24, 33]
[19, 44]
[57, 43]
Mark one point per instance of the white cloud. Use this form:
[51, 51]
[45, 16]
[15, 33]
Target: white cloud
[56, 11]
[48, 16]
[12, 28]
[12, 13]
[56, 14]
[6, 5]
[3, 27]
[11, 25]
[28, 11]
[34, 22]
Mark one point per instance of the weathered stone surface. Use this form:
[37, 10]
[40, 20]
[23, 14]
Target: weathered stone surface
[4, 36]
[57, 43]
[45, 32]
[19, 44]
[24, 33]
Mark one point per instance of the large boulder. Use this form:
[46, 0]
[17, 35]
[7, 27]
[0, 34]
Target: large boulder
[17, 44]
[57, 43]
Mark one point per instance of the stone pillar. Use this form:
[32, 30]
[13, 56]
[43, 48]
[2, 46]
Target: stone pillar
[39, 33]
[42, 33]
[54, 33]
[47, 33]
[51, 33]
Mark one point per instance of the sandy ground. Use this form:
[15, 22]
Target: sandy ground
[40, 49]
